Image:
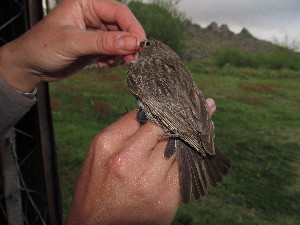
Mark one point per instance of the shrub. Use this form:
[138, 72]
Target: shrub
[236, 58]
[161, 21]
[280, 58]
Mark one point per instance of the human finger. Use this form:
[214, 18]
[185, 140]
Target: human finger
[128, 58]
[111, 139]
[112, 27]
[158, 162]
[130, 155]
[117, 13]
[144, 140]
[109, 61]
[212, 106]
[87, 42]
[124, 127]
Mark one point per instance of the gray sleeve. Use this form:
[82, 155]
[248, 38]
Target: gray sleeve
[13, 106]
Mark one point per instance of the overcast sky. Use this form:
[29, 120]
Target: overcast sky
[265, 19]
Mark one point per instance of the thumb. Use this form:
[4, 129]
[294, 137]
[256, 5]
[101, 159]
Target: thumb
[88, 42]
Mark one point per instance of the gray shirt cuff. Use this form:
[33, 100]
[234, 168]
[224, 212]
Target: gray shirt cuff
[13, 105]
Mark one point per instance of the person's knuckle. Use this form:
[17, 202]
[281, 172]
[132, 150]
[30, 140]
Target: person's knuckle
[118, 165]
[102, 143]
[100, 45]
[146, 188]
[104, 44]
[122, 7]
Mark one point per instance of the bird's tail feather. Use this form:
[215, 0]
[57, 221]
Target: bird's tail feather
[197, 173]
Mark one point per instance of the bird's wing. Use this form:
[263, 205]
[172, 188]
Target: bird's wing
[200, 110]
[181, 108]
[175, 121]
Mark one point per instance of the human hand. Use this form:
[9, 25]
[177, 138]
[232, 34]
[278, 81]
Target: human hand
[125, 178]
[65, 39]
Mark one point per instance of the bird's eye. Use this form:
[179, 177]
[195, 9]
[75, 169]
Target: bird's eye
[147, 43]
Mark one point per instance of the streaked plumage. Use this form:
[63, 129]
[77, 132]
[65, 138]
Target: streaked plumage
[168, 96]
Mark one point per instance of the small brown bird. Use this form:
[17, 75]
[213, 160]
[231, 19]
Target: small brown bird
[168, 97]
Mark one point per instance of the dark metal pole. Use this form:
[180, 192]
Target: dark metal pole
[47, 135]
[10, 179]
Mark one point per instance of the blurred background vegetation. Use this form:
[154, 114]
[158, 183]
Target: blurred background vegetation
[256, 88]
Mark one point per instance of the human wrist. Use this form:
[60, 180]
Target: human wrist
[14, 70]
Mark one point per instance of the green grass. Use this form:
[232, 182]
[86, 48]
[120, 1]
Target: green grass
[257, 126]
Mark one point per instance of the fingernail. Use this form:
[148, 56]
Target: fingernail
[127, 43]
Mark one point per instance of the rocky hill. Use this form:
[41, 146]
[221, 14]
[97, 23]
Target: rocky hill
[203, 42]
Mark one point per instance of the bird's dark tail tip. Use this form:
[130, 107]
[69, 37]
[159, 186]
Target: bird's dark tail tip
[197, 173]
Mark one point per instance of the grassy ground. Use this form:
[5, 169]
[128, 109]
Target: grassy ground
[257, 126]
